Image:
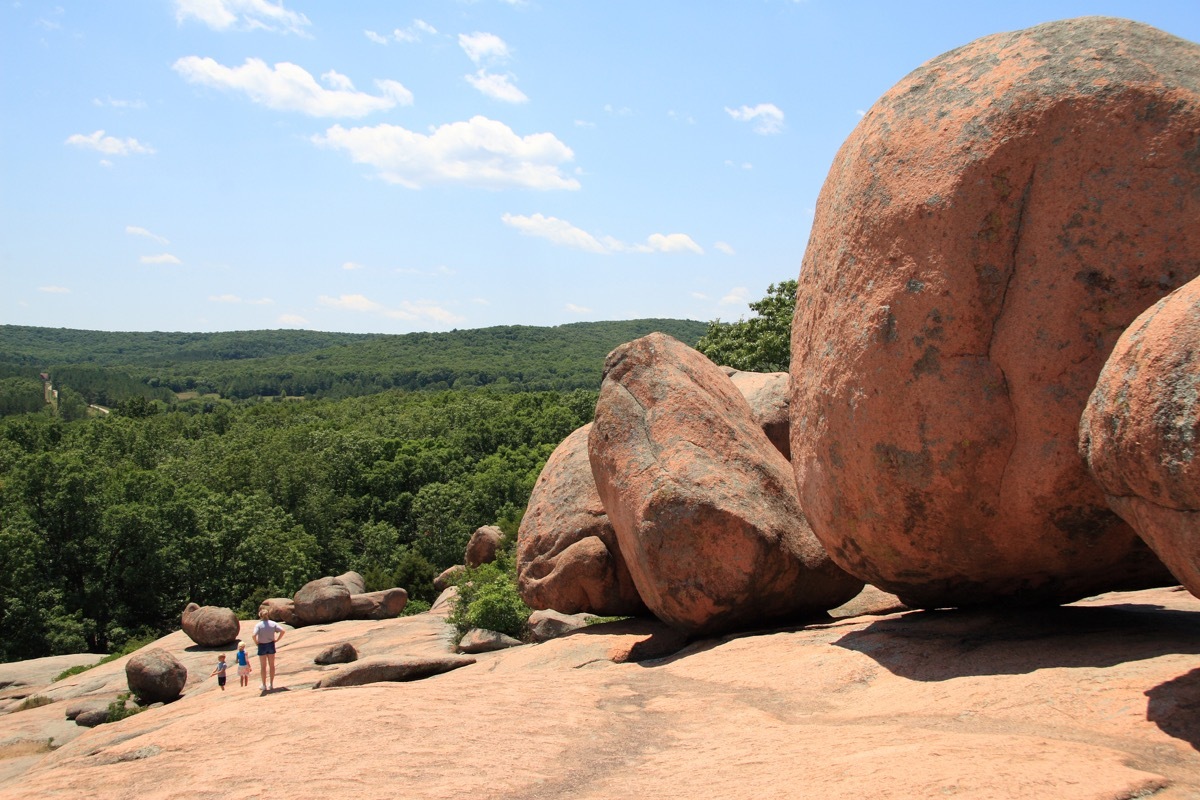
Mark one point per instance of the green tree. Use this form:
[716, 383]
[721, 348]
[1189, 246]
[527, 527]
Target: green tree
[761, 343]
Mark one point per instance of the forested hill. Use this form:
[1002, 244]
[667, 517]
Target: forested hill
[246, 364]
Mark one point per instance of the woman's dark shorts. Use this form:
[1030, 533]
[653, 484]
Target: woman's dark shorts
[267, 649]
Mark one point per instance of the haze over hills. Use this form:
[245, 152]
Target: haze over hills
[244, 364]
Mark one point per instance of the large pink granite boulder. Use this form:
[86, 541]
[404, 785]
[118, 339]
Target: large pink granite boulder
[280, 609]
[210, 626]
[984, 235]
[1140, 430]
[567, 553]
[703, 504]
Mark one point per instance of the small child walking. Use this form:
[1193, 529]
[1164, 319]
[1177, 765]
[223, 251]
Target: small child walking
[243, 663]
[220, 671]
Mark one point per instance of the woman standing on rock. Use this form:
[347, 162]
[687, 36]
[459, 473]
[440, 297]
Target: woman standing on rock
[266, 633]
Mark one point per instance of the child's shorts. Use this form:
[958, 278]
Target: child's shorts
[220, 680]
[245, 670]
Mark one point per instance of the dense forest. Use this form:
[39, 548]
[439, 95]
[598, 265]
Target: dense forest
[110, 525]
[227, 468]
[106, 367]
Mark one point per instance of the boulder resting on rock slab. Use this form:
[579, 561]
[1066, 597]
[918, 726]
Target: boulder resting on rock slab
[984, 235]
[210, 626]
[568, 558]
[703, 504]
[154, 675]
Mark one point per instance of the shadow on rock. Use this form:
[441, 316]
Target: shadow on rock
[940, 645]
[1175, 707]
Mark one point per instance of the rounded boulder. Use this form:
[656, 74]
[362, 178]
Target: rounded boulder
[323, 600]
[1139, 430]
[568, 558]
[984, 235]
[210, 626]
[155, 675]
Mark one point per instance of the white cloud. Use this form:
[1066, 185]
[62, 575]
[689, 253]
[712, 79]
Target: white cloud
[724, 248]
[412, 33]
[497, 87]
[564, 233]
[54, 289]
[134, 230]
[421, 309]
[574, 309]
[242, 15]
[743, 165]
[291, 319]
[483, 47]
[738, 295]
[288, 87]
[860, 112]
[767, 117]
[556, 230]
[478, 152]
[235, 300]
[114, 103]
[162, 258]
[583, 123]
[109, 145]
[352, 265]
[699, 295]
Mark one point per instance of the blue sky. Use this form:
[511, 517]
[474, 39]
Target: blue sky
[387, 167]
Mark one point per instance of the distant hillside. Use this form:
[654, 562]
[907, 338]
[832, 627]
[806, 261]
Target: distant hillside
[245, 364]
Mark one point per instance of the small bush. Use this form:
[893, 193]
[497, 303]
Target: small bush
[119, 710]
[414, 607]
[488, 599]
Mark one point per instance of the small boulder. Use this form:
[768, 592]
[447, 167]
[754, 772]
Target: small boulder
[342, 653]
[703, 504]
[769, 397]
[280, 609]
[92, 717]
[210, 626]
[1139, 431]
[548, 624]
[384, 604]
[483, 546]
[155, 675]
[478, 640]
[376, 669]
[568, 558]
[323, 600]
[74, 709]
[448, 577]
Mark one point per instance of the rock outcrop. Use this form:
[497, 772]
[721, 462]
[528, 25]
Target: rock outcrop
[155, 675]
[984, 235]
[567, 553]
[546, 624]
[377, 669]
[448, 577]
[210, 626]
[703, 504]
[1140, 430]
